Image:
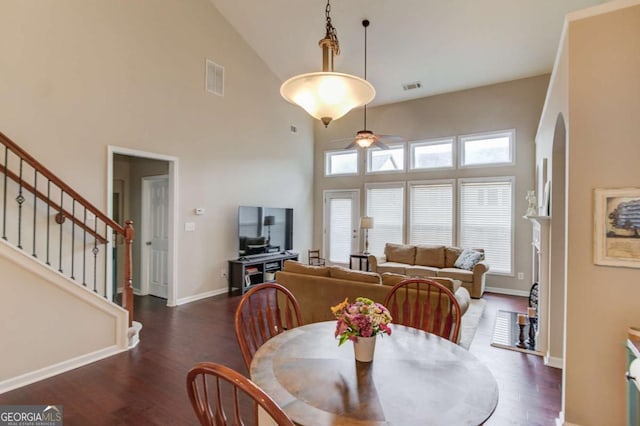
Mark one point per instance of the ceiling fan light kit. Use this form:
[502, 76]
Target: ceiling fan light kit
[328, 95]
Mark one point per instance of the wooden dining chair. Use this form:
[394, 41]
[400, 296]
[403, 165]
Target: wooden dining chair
[213, 387]
[427, 305]
[315, 259]
[266, 310]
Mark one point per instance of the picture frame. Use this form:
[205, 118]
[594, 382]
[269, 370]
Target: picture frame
[616, 234]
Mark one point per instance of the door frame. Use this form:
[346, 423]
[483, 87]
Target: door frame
[172, 261]
[325, 224]
[145, 231]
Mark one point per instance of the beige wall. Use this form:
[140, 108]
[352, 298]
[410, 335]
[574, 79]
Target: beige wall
[516, 104]
[77, 76]
[39, 328]
[598, 91]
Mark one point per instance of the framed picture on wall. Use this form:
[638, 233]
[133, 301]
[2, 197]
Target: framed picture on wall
[617, 227]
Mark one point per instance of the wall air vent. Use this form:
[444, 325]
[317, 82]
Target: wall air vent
[214, 78]
[412, 86]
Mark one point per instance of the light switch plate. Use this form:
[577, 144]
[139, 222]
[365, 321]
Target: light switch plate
[189, 226]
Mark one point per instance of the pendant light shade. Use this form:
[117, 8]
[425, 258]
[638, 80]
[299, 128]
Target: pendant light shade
[327, 95]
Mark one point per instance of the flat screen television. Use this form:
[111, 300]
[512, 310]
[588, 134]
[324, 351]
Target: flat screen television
[263, 230]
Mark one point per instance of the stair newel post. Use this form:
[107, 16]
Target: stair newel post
[127, 292]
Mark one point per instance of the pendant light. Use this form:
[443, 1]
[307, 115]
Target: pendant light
[328, 95]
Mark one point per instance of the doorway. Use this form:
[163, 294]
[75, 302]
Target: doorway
[341, 216]
[146, 192]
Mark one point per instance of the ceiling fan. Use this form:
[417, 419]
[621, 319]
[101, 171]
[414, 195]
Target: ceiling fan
[366, 138]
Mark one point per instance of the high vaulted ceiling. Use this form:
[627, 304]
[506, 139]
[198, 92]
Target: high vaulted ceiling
[446, 45]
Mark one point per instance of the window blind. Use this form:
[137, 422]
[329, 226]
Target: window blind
[431, 214]
[486, 221]
[386, 205]
[339, 229]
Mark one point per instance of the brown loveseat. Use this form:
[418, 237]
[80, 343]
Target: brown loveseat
[427, 261]
[317, 288]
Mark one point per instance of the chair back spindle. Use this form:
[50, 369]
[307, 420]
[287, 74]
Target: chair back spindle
[426, 305]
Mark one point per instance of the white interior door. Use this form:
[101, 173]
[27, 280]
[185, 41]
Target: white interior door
[155, 253]
[341, 216]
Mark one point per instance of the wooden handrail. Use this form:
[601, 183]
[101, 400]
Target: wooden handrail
[63, 186]
[43, 197]
[127, 231]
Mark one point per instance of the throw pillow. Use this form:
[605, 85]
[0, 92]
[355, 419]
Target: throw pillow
[468, 259]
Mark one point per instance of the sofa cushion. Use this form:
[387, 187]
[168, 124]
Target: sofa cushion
[421, 271]
[390, 280]
[301, 268]
[451, 254]
[353, 275]
[430, 255]
[400, 253]
[396, 268]
[456, 274]
[468, 259]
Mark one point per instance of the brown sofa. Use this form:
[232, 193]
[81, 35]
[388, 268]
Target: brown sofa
[429, 261]
[317, 288]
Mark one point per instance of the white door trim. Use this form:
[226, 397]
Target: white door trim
[173, 211]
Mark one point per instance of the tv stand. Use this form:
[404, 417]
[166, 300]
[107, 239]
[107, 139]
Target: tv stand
[247, 271]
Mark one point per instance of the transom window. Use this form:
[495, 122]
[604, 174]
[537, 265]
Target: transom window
[495, 148]
[340, 163]
[385, 160]
[433, 154]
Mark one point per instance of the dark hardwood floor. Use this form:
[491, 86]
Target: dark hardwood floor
[146, 386]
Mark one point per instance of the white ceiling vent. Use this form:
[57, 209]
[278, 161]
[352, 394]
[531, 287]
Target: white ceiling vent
[412, 86]
[214, 78]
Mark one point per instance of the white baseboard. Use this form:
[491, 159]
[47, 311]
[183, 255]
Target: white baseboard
[200, 296]
[552, 361]
[55, 369]
[508, 291]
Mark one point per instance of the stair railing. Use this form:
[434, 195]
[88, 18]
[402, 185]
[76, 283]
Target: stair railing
[58, 226]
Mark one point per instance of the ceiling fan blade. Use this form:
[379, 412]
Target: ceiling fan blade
[351, 145]
[380, 144]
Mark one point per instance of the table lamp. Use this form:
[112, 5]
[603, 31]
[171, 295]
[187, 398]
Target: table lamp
[366, 223]
[268, 222]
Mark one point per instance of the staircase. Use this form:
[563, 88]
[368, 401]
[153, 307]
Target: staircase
[57, 292]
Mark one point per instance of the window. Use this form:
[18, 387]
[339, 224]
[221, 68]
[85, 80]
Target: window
[485, 149]
[435, 154]
[385, 160]
[486, 219]
[341, 162]
[431, 212]
[385, 203]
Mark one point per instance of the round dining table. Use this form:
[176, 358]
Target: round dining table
[416, 378]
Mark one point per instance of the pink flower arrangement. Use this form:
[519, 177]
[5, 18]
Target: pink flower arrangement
[363, 318]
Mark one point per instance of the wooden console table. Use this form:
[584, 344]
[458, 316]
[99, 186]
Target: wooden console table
[245, 272]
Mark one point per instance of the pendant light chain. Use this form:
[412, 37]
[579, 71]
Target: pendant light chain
[331, 34]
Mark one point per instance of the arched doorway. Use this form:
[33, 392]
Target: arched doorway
[557, 261]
